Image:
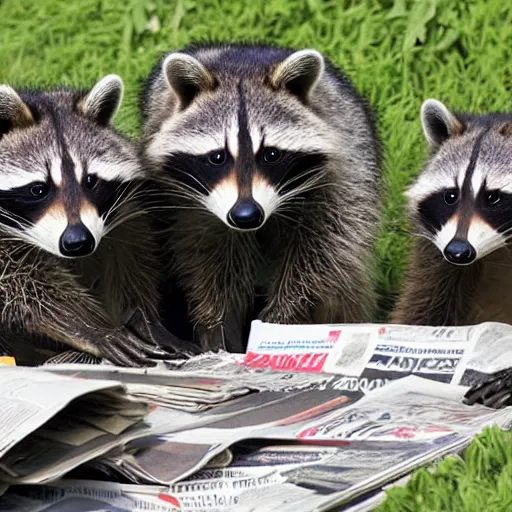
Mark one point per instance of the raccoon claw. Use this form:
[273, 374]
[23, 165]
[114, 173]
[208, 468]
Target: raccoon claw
[495, 392]
[74, 357]
[127, 350]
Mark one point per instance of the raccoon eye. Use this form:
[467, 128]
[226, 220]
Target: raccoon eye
[217, 157]
[39, 190]
[271, 155]
[451, 196]
[493, 197]
[90, 181]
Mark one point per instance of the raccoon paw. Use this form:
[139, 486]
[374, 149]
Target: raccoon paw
[123, 348]
[152, 331]
[495, 391]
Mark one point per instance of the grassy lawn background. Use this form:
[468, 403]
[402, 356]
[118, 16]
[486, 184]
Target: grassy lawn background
[397, 53]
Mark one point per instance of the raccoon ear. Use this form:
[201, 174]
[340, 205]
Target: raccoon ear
[299, 73]
[14, 113]
[438, 123]
[186, 77]
[103, 101]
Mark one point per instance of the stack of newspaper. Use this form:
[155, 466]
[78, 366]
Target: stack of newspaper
[311, 418]
[50, 421]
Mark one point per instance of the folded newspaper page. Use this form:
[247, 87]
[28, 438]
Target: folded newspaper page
[48, 419]
[315, 462]
[371, 355]
[161, 460]
[312, 460]
[198, 384]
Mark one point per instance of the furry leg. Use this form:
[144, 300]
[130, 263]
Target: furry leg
[435, 301]
[216, 268]
[55, 305]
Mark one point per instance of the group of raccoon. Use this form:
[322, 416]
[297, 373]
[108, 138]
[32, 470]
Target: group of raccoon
[254, 192]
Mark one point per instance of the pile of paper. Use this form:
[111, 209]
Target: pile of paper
[310, 418]
[51, 423]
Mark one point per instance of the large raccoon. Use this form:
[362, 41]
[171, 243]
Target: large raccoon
[461, 205]
[75, 250]
[272, 164]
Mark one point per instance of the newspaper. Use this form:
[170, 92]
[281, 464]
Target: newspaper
[88, 495]
[371, 355]
[49, 420]
[306, 462]
[336, 456]
[310, 418]
[194, 385]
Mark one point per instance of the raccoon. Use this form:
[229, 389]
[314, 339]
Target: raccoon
[271, 161]
[461, 205]
[75, 248]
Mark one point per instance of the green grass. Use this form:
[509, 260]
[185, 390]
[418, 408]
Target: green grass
[480, 481]
[397, 53]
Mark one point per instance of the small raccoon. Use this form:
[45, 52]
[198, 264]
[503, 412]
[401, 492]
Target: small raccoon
[461, 204]
[75, 249]
[272, 163]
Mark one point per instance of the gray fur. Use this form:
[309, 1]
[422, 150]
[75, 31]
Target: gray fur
[313, 255]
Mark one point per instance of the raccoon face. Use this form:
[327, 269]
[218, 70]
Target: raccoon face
[242, 140]
[463, 197]
[63, 170]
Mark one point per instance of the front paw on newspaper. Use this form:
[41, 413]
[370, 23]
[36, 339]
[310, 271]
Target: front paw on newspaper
[495, 391]
[119, 347]
[73, 357]
[154, 333]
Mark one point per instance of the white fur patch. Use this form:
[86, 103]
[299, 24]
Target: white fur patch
[484, 238]
[94, 223]
[256, 139]
[232, 138]
[163, 145]
[497, 180]
[14, 177]
[56, 171]
[111, 171]
[79, 170]
[266, 196]
[222, 198]
[428, 184]
[293, 138]
[446, 234]
[477, 180]
[46, 232]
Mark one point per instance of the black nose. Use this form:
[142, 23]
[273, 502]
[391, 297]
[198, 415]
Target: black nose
[459, 252]
[246, 214]
[76, 241]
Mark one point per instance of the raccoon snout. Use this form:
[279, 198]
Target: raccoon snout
[460, 252]
[246, 214]
[76, 241]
